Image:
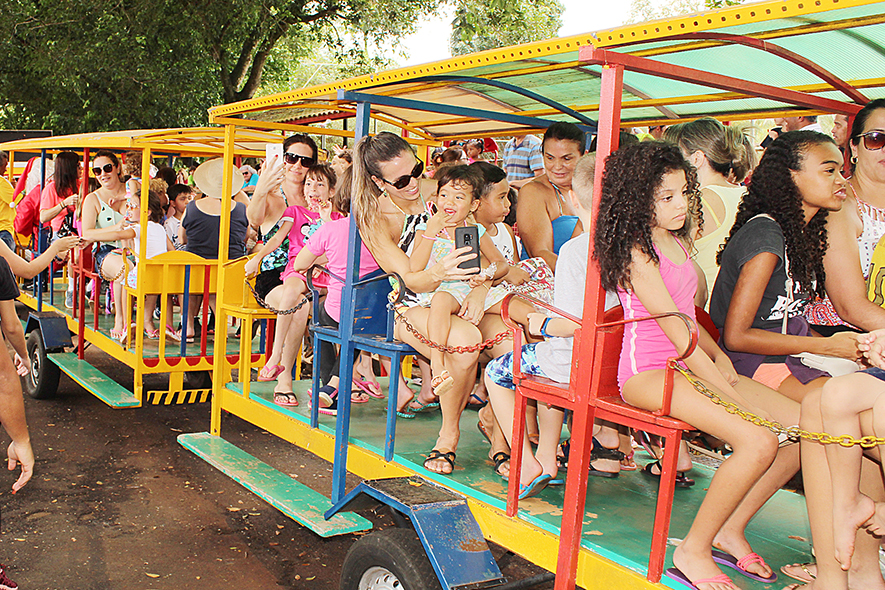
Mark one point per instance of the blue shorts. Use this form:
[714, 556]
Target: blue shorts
[100, 254]
[500, 370]
[875, 372]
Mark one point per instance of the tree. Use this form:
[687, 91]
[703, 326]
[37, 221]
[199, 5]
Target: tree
[80, 65]
[644, 10]
[488, 24]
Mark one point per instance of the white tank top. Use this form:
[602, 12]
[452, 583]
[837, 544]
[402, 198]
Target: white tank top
[504, 243]
[873, 219]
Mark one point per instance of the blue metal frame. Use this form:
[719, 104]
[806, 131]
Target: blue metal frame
[583, 119]
[451, 537]
[420, 105]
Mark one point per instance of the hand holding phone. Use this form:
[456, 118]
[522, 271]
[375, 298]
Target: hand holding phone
[273, 149]
[468, 237]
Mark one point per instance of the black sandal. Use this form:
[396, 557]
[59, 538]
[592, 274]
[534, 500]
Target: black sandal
[448, 457]
[681, 480]
[600, 452]
[499, 459]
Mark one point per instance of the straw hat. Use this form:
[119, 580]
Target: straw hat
[209, 175]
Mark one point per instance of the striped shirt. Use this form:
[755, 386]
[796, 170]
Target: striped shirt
[523, 159]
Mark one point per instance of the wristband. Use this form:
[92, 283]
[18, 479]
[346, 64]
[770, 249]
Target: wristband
[544, 328]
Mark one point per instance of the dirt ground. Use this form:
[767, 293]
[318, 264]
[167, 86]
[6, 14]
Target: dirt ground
[116, 503]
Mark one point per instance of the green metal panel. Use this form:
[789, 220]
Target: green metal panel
[294, 499]
[94, 381]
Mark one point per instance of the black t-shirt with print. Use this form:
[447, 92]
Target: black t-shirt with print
[758, 235]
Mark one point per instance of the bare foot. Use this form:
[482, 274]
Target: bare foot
[699, 565]
[404, 396]
[846, 521]
[876, 524]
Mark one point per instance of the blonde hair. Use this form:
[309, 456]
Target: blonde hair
[132, 164]
[582, 180]
[725, 147]
[370, 151]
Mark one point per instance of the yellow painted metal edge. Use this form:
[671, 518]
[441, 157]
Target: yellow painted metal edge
[530, 542]
[704, 21]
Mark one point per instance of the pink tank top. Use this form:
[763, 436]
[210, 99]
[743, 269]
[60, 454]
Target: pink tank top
[645, 346]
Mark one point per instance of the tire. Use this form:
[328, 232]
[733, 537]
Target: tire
[42, 381]
[198, 380]
[392, 559]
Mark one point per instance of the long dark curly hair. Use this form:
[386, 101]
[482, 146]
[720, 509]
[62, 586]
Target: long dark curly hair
[773, 191]
[627, 207]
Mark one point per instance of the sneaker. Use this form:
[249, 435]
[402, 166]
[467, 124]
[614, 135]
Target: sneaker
[69, 299]
[6, 583]
[328, 400]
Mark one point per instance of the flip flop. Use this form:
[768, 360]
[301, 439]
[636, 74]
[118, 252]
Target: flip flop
[173, 334]
[285, 398]
[740, 565]
[369, 388]
[405, 415]
[484, 432]
[804, 567]
[674, 574]
[270, 372]
[358, 397]
[534, 487]
[479, 403]
[442, 383]
[681, 480]
[448, 457]
[421, 406]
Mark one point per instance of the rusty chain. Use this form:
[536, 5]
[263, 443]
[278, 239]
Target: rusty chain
[307, 297]
[496, 339]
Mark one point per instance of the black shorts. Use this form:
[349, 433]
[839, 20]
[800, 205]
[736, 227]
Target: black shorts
[267, 281]
[8, 287]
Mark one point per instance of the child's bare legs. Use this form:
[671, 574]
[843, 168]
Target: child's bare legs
[403, 392]
[842, 401]
[754, 450]
[150, 302]
[731, 537]
[864, 571]
[290, 338]
[425, 395]
[442, 306]
[291, 293]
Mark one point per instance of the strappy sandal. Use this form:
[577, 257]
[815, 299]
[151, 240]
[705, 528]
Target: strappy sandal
[442, 383]
[499, 459]
[448, 457]
[600, 452]
[682, 481]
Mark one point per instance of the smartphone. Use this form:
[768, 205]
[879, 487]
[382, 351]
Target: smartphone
[273, 149]
[468, 236]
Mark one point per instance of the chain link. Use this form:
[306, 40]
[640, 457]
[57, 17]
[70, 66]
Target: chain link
[307, 297]
[496, 339]
[793, 433]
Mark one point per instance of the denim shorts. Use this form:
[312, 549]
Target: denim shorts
[100, 254]
[500, 370]
[875, 372]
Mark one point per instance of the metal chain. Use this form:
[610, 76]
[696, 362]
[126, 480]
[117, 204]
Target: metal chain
[307, 297]
[496, 339]
[794, 433]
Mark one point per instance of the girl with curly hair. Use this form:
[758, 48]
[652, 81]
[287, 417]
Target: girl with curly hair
[772, 264]
[650, 202]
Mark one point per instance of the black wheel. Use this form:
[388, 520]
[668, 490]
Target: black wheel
[392, 559]
[42, 381]
[198, 380]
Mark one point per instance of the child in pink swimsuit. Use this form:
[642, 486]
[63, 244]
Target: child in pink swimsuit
[650, 204]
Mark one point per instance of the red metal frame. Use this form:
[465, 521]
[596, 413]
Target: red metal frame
[599, 401]
[591, 55]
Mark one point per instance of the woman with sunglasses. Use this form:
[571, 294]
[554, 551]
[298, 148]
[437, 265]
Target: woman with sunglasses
[280, 185]
[388, 207]
[855, 231]
[102, 221]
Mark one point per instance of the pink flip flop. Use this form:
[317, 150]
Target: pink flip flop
[369, 388]
[674, 574]
[740, 565]
[270, 372]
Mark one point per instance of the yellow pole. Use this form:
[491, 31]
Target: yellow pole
[140, 286]
[219, 368]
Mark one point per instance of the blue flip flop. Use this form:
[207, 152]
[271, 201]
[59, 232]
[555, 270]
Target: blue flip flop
[535, 487]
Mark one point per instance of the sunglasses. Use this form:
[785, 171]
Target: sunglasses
[403, 181]
[107, 168]
[874, 140]
[306, 161]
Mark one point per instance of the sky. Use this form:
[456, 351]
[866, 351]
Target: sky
[431, 41]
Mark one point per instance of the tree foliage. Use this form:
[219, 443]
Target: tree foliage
[643, 10]
[488, 24]
[80, 65]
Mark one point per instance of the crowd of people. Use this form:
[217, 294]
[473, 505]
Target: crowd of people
[782, 251]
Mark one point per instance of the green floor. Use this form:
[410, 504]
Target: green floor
[620, 511]
[151, 347]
